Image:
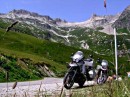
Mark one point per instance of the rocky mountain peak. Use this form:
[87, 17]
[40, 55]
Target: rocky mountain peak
[94, 15]
[128, 8]
[123, 20]
[58, 20]
[25, 12]
[21, 11]
[1, 13]
[27, 15]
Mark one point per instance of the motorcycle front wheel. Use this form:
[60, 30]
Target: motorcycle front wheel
[68, 80]
[102, 78]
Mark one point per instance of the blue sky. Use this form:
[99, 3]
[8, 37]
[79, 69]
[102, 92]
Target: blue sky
[69, 10]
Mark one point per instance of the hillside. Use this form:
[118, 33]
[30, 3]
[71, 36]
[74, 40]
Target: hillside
[83, 38]
[84, 35]
[22, 54]
[20, 49]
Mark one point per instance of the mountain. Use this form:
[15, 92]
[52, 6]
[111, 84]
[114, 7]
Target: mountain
[46, 22]
[123, 21]
[37, 25]
[28, 16]
[96, 21]
[96, 30]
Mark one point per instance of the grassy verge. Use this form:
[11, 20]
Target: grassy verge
[110, 89]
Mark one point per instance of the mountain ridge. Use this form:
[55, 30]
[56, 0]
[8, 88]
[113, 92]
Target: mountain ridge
[124, 19]
[45, 22]
[23, 12]
[80, 34]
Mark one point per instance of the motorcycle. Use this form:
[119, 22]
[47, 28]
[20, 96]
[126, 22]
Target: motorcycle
[91, 72]
[74, 74]
[102, 72]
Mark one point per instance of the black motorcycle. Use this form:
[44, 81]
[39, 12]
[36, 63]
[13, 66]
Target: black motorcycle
[73, 75]
[102, 72]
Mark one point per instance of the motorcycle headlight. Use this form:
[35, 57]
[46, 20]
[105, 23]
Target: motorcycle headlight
[90, 72]
[104, 67]
[76, 60]
[72, 64]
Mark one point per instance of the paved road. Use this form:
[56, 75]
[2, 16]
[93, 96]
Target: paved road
[37, 82]
[47, 86]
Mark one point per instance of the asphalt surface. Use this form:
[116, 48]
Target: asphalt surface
[47, 86]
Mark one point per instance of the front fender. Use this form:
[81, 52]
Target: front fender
[71, 72]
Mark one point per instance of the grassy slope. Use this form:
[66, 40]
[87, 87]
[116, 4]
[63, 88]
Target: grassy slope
[26, 46]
